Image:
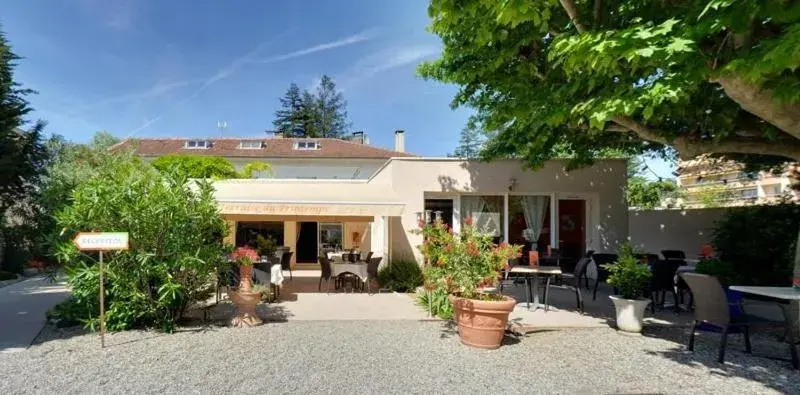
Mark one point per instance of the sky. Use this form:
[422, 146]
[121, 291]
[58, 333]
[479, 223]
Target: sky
[147, 68]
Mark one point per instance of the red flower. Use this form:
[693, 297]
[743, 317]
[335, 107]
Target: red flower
[245, 252]
[468, 221]
[421, 224]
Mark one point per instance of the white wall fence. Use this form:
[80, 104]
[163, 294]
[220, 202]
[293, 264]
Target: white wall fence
[687, 230]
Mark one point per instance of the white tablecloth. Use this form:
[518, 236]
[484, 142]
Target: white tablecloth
[359, 269]
[274, 277]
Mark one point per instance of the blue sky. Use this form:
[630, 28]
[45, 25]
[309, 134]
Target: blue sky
[175, 68]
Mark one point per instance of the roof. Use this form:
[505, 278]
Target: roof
[272, 148]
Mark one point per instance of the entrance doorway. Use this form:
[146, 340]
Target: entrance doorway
[307, 242]
[572, 228]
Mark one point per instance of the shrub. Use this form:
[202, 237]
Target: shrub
[628, 275]
[175, 245]
[759, 242]
[462, 264]
[722, 270]
[436, 302]
[195, 166]
[401, 276]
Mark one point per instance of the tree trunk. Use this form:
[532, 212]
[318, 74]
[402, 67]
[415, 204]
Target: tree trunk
[763, 104]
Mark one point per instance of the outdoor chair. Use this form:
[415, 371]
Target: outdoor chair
[602, 273]
[372, 269]
[712, 309]
[673, 255]
[368, 257]
[352, 257]
[286, 262]
[326, 272]
[572, 281]
[663, 280]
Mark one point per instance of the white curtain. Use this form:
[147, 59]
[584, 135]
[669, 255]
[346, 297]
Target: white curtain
[486, 213]
[534, 208]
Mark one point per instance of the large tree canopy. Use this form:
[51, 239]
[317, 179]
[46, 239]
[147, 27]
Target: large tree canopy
[700, 76]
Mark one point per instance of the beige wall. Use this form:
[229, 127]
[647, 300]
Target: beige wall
[602, 184]
[687, 230]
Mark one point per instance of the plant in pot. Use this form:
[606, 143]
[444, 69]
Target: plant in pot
[462, 266]
[244, 297]
[631, 279]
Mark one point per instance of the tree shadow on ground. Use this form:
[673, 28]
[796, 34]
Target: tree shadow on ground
[767, 364]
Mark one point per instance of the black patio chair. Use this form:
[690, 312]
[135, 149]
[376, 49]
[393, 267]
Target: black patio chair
[602, 273]
[572, 281]
[286, 263]
[368, 257]
[326, 272]
[663, 281]
[373, 264]
[673, 255]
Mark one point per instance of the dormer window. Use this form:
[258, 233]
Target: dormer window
[251, 144]
[306, 145]
[197, 144]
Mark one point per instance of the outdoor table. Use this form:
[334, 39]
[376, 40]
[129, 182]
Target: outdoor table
[359, 269]
[532, 273]
[783, 294]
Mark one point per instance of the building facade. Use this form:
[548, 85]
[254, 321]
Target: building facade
[312, 210]
[711, 182]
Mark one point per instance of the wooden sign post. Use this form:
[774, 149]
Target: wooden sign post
[101, 241]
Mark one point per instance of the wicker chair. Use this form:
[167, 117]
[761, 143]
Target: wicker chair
[602, 274]
[572, 281]
[326, 272]
[663, 281]
[372, 270]
[711, 308]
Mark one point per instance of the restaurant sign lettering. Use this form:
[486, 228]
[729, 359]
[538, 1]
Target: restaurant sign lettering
[299, 209]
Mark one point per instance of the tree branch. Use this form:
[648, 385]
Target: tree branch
[762, 103]
[572, 11]
[689, 147]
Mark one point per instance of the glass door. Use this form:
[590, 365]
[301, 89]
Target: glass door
[572, 228]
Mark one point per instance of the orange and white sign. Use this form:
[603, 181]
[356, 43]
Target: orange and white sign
[101, 241]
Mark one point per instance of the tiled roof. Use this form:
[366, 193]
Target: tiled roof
[272, 148]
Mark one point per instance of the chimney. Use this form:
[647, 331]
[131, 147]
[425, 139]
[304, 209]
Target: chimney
[399, 141]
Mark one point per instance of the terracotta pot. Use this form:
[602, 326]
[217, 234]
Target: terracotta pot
[246, 277]
[482, 323]
[245, 301]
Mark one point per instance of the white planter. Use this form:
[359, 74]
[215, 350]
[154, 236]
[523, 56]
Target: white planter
[630, 313]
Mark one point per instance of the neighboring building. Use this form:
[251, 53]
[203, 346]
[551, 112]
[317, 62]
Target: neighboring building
[379, 208]
[725, 183]
[290, 158]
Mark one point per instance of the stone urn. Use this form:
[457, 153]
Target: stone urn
[243, 296]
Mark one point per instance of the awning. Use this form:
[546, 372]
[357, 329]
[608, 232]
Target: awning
[257, 197]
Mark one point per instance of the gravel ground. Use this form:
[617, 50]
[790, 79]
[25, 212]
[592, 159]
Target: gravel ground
[387, 357]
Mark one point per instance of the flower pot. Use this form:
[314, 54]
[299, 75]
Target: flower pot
[246, 277]
[245, 302]
[630, 313]
[482, 323]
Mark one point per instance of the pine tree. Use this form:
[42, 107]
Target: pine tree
[288, 118]
[332, 109]
[470, 144]
[319, 114]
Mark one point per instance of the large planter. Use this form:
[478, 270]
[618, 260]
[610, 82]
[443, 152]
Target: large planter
[245, 301]
[482, 323]
[630, 313]
[246, 277]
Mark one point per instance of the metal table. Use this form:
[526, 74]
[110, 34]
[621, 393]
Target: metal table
[780, 293]
[532, 273]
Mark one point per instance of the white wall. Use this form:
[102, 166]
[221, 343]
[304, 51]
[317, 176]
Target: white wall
[687, 230]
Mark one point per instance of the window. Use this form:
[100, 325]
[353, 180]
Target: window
[529, 222]
[251, 144]
[306, 145]
[247, 233]
[773, 190]
[749, 193]
[441, 208]
[330, 236]
[486, 213]
[197, 144]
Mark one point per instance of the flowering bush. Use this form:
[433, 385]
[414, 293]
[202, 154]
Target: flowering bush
[462, 264]
[245, 256]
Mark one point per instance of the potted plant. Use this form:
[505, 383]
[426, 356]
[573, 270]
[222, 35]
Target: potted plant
[631, 279]
[463, 266]
[244, 297]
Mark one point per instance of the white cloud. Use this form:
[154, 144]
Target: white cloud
[386, 60]
[349, 40]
